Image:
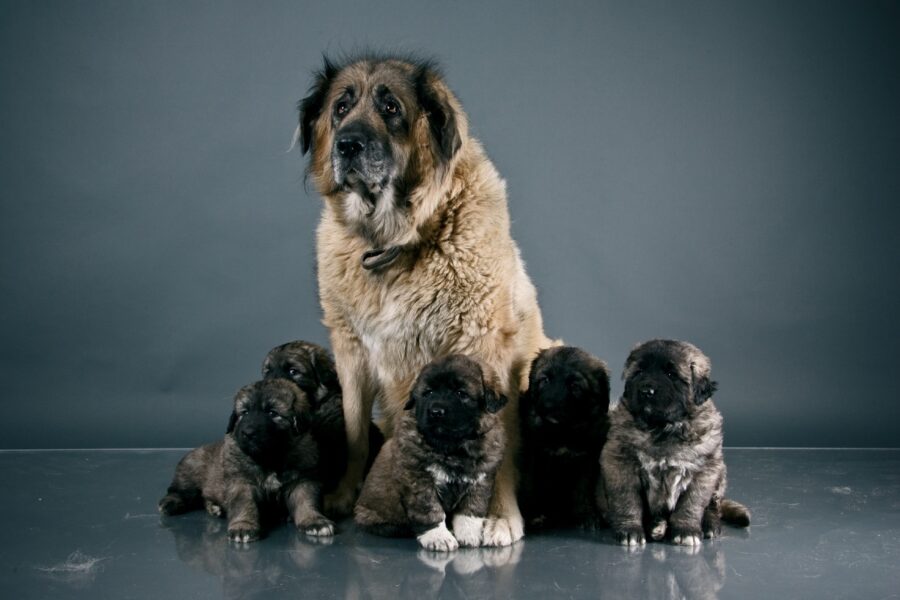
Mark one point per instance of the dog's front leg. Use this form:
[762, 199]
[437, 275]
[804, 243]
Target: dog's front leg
[468, 519]
[243, 513]
[505, 525]
[358, 395]
[687, 517]
[620, 500]
[302, 501]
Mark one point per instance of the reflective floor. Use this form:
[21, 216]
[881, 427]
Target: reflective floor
[83, 524]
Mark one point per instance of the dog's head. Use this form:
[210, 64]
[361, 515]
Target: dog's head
[666, 381]
[308, 365]
[383, 133]
[568, 390]
[451, 397]
[268, 417]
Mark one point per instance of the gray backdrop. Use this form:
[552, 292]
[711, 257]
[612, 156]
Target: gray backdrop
[722, 172]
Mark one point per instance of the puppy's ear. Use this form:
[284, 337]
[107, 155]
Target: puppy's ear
[703, 388]
[434, 98]
[301, 422]
[411, 402]
[311, 106]
[494, 401]
[232, 421]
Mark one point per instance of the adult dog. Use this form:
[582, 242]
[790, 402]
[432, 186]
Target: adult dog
[662, 467]
[414, 253]
[439, 467]
[266, 463]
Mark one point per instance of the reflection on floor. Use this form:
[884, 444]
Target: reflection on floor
[83, 524]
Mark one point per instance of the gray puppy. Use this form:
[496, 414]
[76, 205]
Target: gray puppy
[266, 463]
[662, 467]
[311, 367]
[442, 460]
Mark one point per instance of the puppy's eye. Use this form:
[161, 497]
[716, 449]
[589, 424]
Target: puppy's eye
[341, 108]
[671, 374]
[462, 395]
[391, 107]
[243, 412]
[274, 414]
[542, 381]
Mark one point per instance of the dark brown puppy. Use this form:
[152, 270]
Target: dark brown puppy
[311, 367]
[662, 467]
[564, 425]
[267, 462]
[441, 461]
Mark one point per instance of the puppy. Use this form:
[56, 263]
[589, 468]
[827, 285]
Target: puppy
[441, 461]
[266, 463]
[312, 369]
[564, 425]
[662, 470]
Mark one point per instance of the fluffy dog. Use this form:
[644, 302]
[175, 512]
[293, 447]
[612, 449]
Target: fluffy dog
[662, 470]
[441, 461]
[564, 425]
[267, 462]
[312, 369]
[414, 254]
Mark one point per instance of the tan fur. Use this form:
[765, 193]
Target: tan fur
[459, 287]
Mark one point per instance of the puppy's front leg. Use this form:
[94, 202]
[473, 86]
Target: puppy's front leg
[468, 520]
[687, 517]
[358, 396]
[302, 503]
[243, 514]
[619, 499]
[428, 520]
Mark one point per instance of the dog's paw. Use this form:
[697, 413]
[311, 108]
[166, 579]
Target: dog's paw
[503, 531]
[632, 536]
[214, 509]
[340, 502]
[438, 539]
[686, 537]
[658, 531]
[243, 533]
[172, 505]
[318, 527]
[468, 530]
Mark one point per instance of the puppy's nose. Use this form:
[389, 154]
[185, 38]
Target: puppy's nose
[350, 145]
[437, 412]
[647, 393]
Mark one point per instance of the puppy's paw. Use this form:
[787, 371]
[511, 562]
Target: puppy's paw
[503, 531]
[686, 537]
[172, 505]
[468, 530]
[243, 533]
[340, 502]
[214, 509]
[658, 531]
[632, 536]
[438, 539]
[319, 526]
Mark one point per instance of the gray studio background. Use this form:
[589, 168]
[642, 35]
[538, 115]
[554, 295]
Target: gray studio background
[722, 172]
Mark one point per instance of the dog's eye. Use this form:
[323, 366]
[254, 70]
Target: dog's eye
[461, 394]
[391, 107]
[341, 109]
[671, 374]
[274, 414]
[542, 381]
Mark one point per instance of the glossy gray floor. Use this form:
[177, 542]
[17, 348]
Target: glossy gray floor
[83, 524]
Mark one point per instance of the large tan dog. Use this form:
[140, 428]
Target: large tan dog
[415, 258]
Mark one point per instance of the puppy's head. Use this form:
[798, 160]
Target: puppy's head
[666, 381]
[380, 129]
[268, 417]
[568, 389]
[451, 397]
[308, 365]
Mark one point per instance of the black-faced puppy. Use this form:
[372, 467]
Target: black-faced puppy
[266, 463]
[564, 424]
[662, 470]
[311, 367]
[441, 462]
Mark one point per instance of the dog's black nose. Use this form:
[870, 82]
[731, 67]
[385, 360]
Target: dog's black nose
[647, 393]
[437, 412]
[351, 144]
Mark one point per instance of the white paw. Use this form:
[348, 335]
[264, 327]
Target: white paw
[631, 537]
[213, 509]
[322, 528]
[658, 531]
[686, 539]
[503, 531]
[468, 530]
[438, 539]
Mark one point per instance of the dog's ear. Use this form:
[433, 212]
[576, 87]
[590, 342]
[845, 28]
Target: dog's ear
[490, 383]
[411, 402]
[311, 106]
[703, 388]
[232, 421]
[434, 98]
[301, 422]
[326, 374]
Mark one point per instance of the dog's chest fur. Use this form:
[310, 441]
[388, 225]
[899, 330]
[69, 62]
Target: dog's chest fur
[453, 484]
